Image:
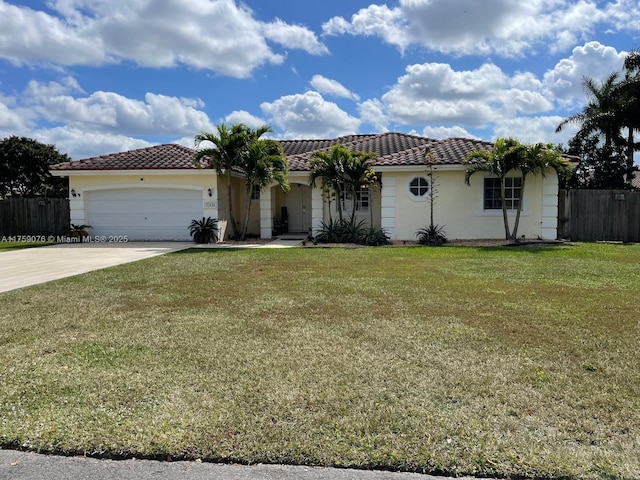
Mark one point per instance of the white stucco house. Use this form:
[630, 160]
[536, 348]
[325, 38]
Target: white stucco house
[154, 193]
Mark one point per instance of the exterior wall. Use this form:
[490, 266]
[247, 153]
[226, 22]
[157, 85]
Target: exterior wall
[459, 208]
[89, 181]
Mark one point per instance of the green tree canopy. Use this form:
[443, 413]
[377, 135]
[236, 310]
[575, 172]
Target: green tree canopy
[607, 124]
[24, 169]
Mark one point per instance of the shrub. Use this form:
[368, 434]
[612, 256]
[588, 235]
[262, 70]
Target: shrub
[376, 236]
[205, 230]
[432, 235]
[346, 231]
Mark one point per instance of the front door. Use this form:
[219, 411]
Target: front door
[298, 202]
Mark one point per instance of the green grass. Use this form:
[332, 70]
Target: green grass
[519, 362]
[8, 246]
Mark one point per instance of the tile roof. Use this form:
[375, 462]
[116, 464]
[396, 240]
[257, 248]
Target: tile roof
[160, 157]
[393, 149]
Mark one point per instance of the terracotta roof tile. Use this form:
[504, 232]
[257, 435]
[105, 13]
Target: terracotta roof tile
[393, 149]
[159, 157]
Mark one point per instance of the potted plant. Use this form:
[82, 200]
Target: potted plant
[205, 230]
[78, 231]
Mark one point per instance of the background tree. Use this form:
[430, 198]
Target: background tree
[24, 169]
[264, 164]
[229, 150]
[509, 155]
[605, 138]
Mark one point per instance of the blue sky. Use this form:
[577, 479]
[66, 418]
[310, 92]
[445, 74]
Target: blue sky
[101, 76]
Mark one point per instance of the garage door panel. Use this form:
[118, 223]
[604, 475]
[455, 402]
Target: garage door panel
[144, 214]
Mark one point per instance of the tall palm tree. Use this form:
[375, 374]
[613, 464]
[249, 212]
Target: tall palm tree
[329, 168]
[228, 152]
[264, 164]
[629, 89]
[357, 173]
[601, 115]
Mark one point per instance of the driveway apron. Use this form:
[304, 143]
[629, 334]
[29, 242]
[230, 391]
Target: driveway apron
[31, 266]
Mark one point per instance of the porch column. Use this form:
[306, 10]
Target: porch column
[317, 209]
[266, 215]
[388, 206]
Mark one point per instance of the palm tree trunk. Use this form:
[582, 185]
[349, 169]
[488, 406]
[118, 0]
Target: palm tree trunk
[507, 234]
[245, 224]
[630, 149]
[514, 234]
[232, 218]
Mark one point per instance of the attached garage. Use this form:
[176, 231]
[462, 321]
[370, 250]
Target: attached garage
[143, 213]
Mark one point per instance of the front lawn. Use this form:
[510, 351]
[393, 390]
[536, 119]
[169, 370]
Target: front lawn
[8, 246]
[520, 362]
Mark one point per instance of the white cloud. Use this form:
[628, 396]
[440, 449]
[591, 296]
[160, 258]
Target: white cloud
[80, 144]
[309, 115]
[473, 27]
[157, 115]
[533, 129]
[564, 81]
[435, 93]
[332, 87]
[242, 116]
[446, 132]
[374, 113]
[217, 35]
[294, 36]
[375, 20]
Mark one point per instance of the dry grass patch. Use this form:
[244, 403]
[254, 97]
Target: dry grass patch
[519, 362]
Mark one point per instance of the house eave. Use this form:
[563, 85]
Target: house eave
[88, 173]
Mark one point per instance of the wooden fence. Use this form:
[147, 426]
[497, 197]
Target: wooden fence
[33, 216]
[594, 215]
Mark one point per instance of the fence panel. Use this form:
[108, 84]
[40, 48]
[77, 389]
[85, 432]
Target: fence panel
[33, 216]
[594, 215]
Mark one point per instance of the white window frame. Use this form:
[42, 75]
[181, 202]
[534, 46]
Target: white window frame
[363, 200]
[498, 211]
[428, 186]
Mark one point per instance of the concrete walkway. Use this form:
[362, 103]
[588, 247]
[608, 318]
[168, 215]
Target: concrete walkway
[31, 266]
[32, 466]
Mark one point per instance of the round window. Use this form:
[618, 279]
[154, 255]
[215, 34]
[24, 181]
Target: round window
[419, 186]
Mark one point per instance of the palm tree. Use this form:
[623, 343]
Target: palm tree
[228, 151]
[507, 155]
[264, 164]
[538, 158]
[629, 89]
[510, 155]
[329, 168]
[601, 115]
[357, 173]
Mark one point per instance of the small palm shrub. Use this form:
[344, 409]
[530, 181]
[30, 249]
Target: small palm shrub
[330, 232]
[376, 236]
[205, 230]
[432, 235]
[346, 231]
[353, 232]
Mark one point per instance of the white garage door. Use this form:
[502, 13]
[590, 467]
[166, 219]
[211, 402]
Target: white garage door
[143, 214]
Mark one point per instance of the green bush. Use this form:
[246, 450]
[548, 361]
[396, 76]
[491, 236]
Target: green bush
[431, 235]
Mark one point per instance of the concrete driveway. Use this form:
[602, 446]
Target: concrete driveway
[30, 266]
